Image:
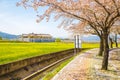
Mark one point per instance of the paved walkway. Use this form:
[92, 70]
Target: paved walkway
[79, 68]
[87, 66]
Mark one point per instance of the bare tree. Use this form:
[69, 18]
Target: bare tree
[100, 15]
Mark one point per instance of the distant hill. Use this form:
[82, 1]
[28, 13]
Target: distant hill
[94, 38]
[84, 38]
[91, 38]
[7, 35]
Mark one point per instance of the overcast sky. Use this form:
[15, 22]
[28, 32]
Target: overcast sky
[17, 20]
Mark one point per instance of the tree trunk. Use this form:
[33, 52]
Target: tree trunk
[111, 42]
[106, 51]
[101, 49]
[116, 40]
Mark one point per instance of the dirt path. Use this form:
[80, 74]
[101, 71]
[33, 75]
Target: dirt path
[87, 66]
[78, 69]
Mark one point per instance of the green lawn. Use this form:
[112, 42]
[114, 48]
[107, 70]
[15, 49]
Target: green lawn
[16, 51]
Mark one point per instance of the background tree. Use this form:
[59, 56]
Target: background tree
[0, 38]
[57, 40]
[100, 15]
[116, 31]
[81, 29]
[111, 41]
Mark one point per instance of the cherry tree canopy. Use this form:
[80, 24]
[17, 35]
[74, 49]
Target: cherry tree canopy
[96, 13]
[100, 15]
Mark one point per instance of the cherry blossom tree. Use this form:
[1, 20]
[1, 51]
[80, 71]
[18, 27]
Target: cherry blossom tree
[100, 15]
[85, 29]
[116, 31]
[111, 41]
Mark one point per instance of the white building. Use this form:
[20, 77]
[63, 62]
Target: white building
[31, 37]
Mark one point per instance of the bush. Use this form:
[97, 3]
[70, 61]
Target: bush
[57, 40]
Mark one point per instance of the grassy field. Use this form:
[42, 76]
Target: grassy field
[16, 51]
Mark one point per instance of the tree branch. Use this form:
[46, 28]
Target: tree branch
[112, 20]
[102, 6]
[117, 9]
[69, 13]
[97, 31]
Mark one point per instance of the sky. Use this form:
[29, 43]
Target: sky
[18, 20]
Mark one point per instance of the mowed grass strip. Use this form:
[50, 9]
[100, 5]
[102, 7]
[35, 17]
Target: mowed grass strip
[51, 74]
[10, 52]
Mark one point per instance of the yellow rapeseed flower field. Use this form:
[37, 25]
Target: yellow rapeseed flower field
[10, 52]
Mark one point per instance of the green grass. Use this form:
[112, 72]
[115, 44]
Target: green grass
[50, 75]
[10, 52]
